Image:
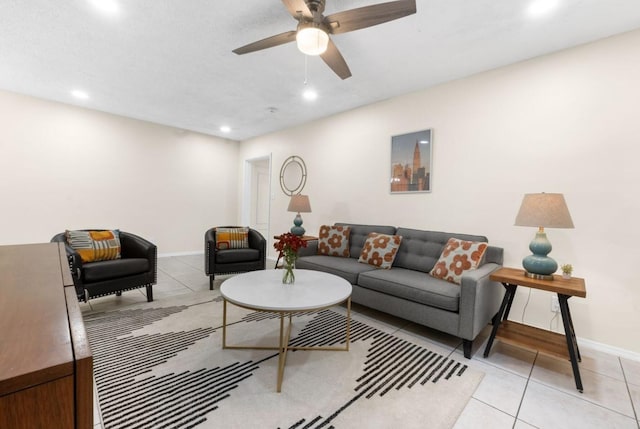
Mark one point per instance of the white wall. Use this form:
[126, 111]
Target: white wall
[65, 167]
[568, 123]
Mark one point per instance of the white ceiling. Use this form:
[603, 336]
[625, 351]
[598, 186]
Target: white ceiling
[170, 62]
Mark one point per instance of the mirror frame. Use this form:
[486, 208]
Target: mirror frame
[293, 160]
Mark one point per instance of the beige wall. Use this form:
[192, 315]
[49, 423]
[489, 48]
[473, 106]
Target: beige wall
[65, 167]
[568, 123]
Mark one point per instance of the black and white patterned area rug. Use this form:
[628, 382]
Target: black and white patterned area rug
[161, 365]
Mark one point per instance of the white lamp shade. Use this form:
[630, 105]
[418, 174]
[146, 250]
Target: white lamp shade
[299, 203]
[312, 40]
[544, 210]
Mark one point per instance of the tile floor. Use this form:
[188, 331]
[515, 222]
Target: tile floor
[521, 389]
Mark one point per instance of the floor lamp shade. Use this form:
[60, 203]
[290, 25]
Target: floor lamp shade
[299, 203]
[543, 211]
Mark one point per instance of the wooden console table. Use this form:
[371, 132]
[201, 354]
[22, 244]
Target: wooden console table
[303, 238]
[46, 366]
[547, 342]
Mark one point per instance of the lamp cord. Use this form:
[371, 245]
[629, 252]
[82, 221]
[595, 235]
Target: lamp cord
[524, 310]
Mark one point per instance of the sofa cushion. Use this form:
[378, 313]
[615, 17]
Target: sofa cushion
[458, 257]
[414, 286]
[95, 246]
[380, 250]
[334, 240]
[232, 238]
[359, 235]
[105, 270]
[230, 256]
[421, 249]
[347, 268]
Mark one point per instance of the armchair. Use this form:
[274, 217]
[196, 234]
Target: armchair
[229, 261]
[136, 268]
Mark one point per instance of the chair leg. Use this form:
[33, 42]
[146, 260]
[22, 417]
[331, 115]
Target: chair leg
[149, 293]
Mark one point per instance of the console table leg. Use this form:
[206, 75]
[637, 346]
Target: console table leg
[572, 343]
[502, 314]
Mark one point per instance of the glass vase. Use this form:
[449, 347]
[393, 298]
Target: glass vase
[288, 277]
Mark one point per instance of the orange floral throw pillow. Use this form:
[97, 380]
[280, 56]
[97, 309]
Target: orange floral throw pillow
[334, 241]
[380, 250]
[458, 257]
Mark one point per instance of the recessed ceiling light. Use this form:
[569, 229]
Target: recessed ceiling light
[541, 7]
[225, 129]
[424, 141]
[309, 94]
[81, 95]
[106, 6]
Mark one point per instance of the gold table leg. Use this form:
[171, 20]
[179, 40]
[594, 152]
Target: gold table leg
[283, 346]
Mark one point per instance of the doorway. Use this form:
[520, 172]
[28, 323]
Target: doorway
[258, 194]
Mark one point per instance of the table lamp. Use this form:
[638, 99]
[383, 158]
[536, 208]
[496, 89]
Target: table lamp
[299, 203]
[542, 210]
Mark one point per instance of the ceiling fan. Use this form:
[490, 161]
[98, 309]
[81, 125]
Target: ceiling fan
[312, 34]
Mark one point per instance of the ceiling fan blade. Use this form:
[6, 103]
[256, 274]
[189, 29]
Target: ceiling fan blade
[335, 61]
[368, 16]
[269, 42]
[297, 8]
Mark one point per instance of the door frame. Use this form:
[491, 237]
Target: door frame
[247, 190]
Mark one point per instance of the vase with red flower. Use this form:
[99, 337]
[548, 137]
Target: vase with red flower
[288, 245]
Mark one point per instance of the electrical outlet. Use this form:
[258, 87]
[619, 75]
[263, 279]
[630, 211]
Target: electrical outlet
[555, 305]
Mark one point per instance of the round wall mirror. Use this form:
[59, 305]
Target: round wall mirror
[293, 175]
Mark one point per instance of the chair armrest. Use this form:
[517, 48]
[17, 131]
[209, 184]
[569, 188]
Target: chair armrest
[209, 250]
[479, 300]
[75, 262]
[257, 241]
[134, 246]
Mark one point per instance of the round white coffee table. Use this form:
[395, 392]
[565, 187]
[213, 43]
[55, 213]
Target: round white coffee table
[264, 291]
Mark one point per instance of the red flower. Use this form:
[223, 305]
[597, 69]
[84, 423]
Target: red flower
[289, 242]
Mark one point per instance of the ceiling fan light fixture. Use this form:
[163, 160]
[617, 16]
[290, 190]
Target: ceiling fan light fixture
[312, 40]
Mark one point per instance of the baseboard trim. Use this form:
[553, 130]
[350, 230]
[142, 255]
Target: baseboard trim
[166, 255]
[606, 348]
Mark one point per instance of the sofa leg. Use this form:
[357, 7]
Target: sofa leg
[466, 348]
[119, 293]
[149, 293]
[211, 282]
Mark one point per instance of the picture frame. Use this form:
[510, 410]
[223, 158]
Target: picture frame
[411, 162]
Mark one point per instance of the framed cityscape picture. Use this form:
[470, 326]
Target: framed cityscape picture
[411, 162]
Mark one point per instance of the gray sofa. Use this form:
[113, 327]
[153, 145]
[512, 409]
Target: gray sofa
[407, 290]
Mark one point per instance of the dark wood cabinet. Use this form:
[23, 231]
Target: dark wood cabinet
[46, 366]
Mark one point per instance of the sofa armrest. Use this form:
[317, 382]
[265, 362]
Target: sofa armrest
[479, 300]
[310, 250]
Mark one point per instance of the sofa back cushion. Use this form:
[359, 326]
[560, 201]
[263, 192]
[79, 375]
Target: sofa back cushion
[359, 235]
[421, 249]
